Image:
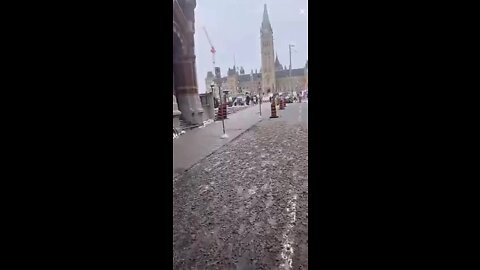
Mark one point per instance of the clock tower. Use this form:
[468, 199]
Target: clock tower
[267, 51]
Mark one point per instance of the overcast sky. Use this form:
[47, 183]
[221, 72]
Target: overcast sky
[234, 29]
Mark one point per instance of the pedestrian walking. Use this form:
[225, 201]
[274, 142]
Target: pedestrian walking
[248, 100]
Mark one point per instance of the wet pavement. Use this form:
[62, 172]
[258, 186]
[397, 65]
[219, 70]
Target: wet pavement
[246, 205]
[195, 145]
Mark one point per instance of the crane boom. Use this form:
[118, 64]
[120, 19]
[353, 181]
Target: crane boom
[212, 49]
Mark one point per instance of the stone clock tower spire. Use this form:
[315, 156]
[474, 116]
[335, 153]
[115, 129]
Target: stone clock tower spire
[267, 50]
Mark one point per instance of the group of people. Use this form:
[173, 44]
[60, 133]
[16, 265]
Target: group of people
[253, 100]
[297, 97]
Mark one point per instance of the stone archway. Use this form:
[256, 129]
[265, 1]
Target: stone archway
[178, 50]
[185, 89]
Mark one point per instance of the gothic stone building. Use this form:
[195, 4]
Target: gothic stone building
[272, 78]
[186, 101]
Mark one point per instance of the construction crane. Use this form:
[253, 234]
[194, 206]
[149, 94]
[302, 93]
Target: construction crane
[212, 50]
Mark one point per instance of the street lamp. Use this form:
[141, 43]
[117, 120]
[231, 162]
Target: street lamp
[290, 67]
[212, 84]
[220, 107]
[260, 99]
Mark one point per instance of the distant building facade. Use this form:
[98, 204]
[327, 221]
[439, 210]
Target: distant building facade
[272, 78]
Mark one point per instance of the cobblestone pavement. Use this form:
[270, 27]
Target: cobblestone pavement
[246, 205]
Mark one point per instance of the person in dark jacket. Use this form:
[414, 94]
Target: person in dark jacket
[248, 100]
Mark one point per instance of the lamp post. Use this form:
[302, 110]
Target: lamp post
[290, 67]
[238, 91]
[211, 87]
[260, 99]
[220, 107]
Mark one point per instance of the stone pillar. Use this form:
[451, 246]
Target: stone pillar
[187, 91]
[176, 113]
[210, 109]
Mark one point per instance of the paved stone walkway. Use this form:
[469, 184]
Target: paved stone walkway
[198, 143]
[246, 205]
